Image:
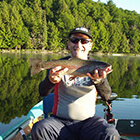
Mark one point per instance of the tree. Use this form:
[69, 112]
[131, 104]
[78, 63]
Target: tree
[65, 21]
[103, 37]
[24, 24]
[54, 42]
[20, 33]
[47, 5]
[115, 37]
[124, 46]
[134, 40]
[45, 35]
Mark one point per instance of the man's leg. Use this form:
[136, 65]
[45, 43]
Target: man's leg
[97, 128]
[51, 128]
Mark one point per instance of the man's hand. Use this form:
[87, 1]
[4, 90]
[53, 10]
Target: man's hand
[96, 76]
[56, 74]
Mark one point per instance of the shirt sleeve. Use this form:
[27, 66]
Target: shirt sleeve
[45, 87]
[104, 90]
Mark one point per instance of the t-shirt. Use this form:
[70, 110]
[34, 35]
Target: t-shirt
[75, 99]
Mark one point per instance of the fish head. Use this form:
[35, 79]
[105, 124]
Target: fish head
[108, 69]
[104, 67]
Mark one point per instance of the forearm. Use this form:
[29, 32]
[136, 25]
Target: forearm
[45, 87]
[104, 89]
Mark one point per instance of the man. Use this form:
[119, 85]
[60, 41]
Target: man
[75, 100]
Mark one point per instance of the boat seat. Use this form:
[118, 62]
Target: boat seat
[48, 102]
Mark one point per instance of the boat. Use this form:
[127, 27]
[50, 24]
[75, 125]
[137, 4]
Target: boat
[23, 127]
[128, 129]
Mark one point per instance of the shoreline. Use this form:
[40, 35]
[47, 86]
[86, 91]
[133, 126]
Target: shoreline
[35, 51]
[63, 52]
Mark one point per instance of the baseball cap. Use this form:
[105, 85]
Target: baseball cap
[82, 30]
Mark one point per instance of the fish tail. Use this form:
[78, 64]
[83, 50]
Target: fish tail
[35, 66]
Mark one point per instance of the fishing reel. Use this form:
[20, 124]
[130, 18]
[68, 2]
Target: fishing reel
[109, 116]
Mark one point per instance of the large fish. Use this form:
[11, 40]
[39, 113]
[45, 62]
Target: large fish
[76, 67]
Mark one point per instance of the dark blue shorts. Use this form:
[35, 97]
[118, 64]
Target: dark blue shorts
[54, 128]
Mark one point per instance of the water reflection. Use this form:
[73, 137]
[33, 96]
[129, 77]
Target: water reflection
[125, 78]
[123, 108]
[19, 91]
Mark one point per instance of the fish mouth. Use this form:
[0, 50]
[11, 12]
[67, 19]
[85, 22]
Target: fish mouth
[108, 69]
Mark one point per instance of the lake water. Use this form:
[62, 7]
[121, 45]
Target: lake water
[19, 91]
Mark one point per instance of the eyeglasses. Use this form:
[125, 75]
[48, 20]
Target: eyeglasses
[82, 40]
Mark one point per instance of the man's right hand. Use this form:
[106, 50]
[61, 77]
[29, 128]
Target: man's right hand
[56, 74]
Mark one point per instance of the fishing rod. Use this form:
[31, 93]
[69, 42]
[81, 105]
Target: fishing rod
[109, 116]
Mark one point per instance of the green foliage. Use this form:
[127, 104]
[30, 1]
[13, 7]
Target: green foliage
[18, 90]
[25, 24]
[53, 37]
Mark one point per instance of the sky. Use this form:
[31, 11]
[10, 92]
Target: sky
[126, 4]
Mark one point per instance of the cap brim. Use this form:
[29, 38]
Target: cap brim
[77, 31]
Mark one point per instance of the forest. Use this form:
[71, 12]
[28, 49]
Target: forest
[45, 24]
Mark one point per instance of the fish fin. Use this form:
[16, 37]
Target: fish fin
[35, 66]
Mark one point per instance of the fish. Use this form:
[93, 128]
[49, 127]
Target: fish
[76, 67]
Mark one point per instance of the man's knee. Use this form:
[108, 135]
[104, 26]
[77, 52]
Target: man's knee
[34, 131]
[46, 129]
[97, 128]
[40, 130]
[37, 126]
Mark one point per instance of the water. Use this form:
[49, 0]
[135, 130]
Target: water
[123, 108]
[19, 91]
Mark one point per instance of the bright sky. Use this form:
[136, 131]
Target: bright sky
[126, 4]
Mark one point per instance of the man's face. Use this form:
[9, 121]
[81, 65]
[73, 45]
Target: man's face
[79, 45]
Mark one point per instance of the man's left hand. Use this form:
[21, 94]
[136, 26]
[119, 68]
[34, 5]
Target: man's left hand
[96, 75]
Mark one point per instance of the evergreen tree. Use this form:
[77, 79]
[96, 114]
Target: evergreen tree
[45, 35]
[47, 5]
[23, 24]
[124, 46]
[134, 40]
[115, 37]
[103, 37]
[65, 21]
[54, 42]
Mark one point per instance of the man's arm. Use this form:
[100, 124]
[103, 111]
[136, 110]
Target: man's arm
[104, 90]
[101, 83]
[45, 87]
[53, 76]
